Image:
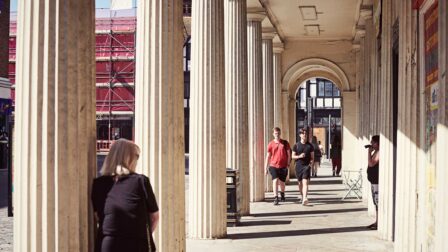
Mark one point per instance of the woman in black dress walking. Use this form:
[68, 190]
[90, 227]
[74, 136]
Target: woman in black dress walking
[124, 202]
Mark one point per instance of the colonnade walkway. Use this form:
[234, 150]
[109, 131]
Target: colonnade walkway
[326, 224]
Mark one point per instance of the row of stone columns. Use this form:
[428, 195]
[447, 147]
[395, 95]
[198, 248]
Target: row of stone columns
[55, 117]
[420, 220]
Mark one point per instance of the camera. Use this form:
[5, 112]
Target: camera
[367, 146]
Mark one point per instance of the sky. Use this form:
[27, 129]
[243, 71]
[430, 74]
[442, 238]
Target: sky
[98, 4]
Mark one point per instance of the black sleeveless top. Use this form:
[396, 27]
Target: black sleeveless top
[373, 173]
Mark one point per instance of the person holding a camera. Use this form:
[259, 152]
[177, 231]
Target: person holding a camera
[373, 159]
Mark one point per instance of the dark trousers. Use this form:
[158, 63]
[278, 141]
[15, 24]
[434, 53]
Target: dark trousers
[336, 165]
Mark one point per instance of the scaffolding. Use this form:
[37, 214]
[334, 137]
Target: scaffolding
[115, 34]
[115, 74]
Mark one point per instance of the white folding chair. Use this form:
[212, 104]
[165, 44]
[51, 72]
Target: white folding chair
[352, 180]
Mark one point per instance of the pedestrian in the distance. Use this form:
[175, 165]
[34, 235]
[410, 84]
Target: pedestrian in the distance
[335, 155]
[124, 203]
[278, 158]
[317, 157]
[303, 153]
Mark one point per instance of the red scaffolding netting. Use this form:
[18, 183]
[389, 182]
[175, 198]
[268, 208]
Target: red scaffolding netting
[115, 71]
[115, 58]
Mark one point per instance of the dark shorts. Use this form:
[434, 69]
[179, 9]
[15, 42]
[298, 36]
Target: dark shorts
[303, 172]
[279, 173]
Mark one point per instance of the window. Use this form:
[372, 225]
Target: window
[337, 102]
[328, 89]
[313, 90]
[321, 88]
[319, 102]
[336, 92]
[302, 97]
[328, 102]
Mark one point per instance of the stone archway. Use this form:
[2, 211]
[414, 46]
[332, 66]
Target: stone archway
[297, 74]
[314, 67]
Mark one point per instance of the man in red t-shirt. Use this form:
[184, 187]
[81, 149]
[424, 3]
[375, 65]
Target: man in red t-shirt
[278, 158]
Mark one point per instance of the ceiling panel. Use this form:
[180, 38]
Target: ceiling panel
[313, 19]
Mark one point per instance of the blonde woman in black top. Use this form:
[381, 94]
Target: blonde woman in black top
[124, 202]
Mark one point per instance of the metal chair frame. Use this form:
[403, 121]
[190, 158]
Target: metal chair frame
[353, 184]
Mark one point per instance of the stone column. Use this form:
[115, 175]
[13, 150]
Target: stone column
[442, 133]
[386, 174]
[349, 131]
[406, 226]
[277, 79]
[255, 86]
[159, 119]
[237, 138]
[207, 203]
[268, 97]
[54, 137]
[286, 131]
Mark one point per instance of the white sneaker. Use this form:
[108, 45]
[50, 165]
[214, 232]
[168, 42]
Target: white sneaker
[305, 202]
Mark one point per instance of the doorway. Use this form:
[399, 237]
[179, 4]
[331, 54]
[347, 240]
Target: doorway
[318, 107]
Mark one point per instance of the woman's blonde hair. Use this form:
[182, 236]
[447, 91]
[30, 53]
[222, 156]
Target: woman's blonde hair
[122, 158]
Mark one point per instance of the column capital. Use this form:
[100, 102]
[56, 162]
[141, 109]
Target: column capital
[256, 16]
[278, 48]
[356, 47]
[360, 30]
[268, 34]
[365, 12]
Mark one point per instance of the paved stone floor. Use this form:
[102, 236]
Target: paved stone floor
[326, 224]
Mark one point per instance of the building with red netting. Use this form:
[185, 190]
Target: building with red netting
[115, 68]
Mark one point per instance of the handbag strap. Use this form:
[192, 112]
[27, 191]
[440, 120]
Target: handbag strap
[148, 221]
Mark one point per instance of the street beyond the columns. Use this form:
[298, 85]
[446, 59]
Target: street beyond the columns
[326, 224]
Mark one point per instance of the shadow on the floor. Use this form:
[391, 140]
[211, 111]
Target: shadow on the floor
[325, 190]
[312, 198]
[309, 212]
[318, 193]
[326, 182]
[264, 223]
[337, 201]
[295, 233]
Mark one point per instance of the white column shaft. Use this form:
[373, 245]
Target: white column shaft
[237, 139]
[268, 99]
[386, 173]
[256, 132]
[54, 135]
[277, 78]
[159, 114]
[441, 229]
[207, 203]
